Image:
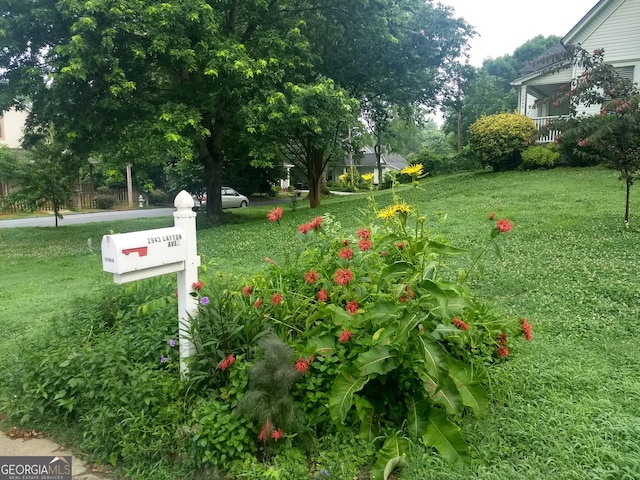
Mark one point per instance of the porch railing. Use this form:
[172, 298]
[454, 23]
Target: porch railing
[550, 135]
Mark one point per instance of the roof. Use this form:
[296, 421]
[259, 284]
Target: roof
[556, 56]
[553, 56]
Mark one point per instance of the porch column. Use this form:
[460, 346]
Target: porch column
[522, 100]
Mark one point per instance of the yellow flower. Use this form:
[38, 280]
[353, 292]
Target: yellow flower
[367, 177]
[413, 170]
[387, 212]
[391, 211]
[403, 208]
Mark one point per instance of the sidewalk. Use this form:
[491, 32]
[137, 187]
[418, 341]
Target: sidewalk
[22, 443]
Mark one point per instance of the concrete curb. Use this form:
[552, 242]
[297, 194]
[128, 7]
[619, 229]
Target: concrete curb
[43, 447]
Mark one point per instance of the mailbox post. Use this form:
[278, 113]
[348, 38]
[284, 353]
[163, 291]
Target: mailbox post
[149, 253]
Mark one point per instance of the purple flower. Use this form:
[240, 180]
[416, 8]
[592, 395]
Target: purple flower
[172, 343]
[204, 300]
[163, 359]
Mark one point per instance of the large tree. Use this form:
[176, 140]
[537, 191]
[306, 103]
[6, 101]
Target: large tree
[306, 125]
[173, 76]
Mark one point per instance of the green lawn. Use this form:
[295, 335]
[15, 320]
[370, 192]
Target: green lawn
[567, 405]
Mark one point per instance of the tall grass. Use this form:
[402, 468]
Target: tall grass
[567, 405]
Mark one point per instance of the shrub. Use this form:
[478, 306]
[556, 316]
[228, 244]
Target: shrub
[380, 337]
[539, 156]
[159, 198]
[104, 201]
[497, 140]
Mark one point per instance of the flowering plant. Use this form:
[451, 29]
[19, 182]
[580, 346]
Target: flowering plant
[381, 336]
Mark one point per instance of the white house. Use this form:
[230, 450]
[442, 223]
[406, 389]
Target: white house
[11, 126]
[611, 25]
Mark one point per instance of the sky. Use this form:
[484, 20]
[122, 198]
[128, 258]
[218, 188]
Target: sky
[504, 25]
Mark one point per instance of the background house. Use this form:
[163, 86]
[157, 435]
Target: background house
[611, 25]
[11, 126]
[366, 163]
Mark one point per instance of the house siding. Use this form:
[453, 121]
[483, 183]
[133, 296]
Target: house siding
[615, 30]
[11, 128]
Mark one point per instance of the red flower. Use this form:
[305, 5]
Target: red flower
[460, 324]
[492, 215]
[257, 303]
[276, 298]
[403, 299]
[364, 234]
[502, 339]
[322, 295]
[344, 336]
[265, 431]
[247, 290]
[310, 277]
[345, 242]
[503, 351]
[275, 214]
[352, 307]
[364, 244]
[343, 277]
[384, 253]
[302, 365]
[504, 225]
[304, 229]
[277, 435]
[526, 329]
[346, 253]
[316, 223]
[227, 362]
[401, 245]
[197, 285]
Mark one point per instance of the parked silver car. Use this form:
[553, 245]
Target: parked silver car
[230, 199]
[233, 199]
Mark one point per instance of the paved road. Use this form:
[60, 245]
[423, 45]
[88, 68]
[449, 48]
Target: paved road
[77, 218]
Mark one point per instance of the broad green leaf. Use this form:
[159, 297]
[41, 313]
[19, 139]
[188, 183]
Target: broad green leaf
[448, 396]
[433, 356]
[379, 360]
[324, 345]
[445, 436]
[405, 325]
[445, 249]
[397, 269]
[341, 396]
[365, 412]
[473, 394]
[390, 457]
[443, 331]
[417, 416]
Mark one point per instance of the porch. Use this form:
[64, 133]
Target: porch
[549, 135]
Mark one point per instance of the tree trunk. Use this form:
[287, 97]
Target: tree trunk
[314, 173]
[459, 132]
[626, 208]
[324, 190]
[212, 157]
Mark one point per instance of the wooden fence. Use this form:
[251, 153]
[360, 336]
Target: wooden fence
[82, 200]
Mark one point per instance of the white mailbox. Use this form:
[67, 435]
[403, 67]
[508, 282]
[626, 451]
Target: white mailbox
[137, 255]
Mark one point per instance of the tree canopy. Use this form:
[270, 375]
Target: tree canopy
[140, 77]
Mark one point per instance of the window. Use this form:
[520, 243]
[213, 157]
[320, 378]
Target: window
[625, 72]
